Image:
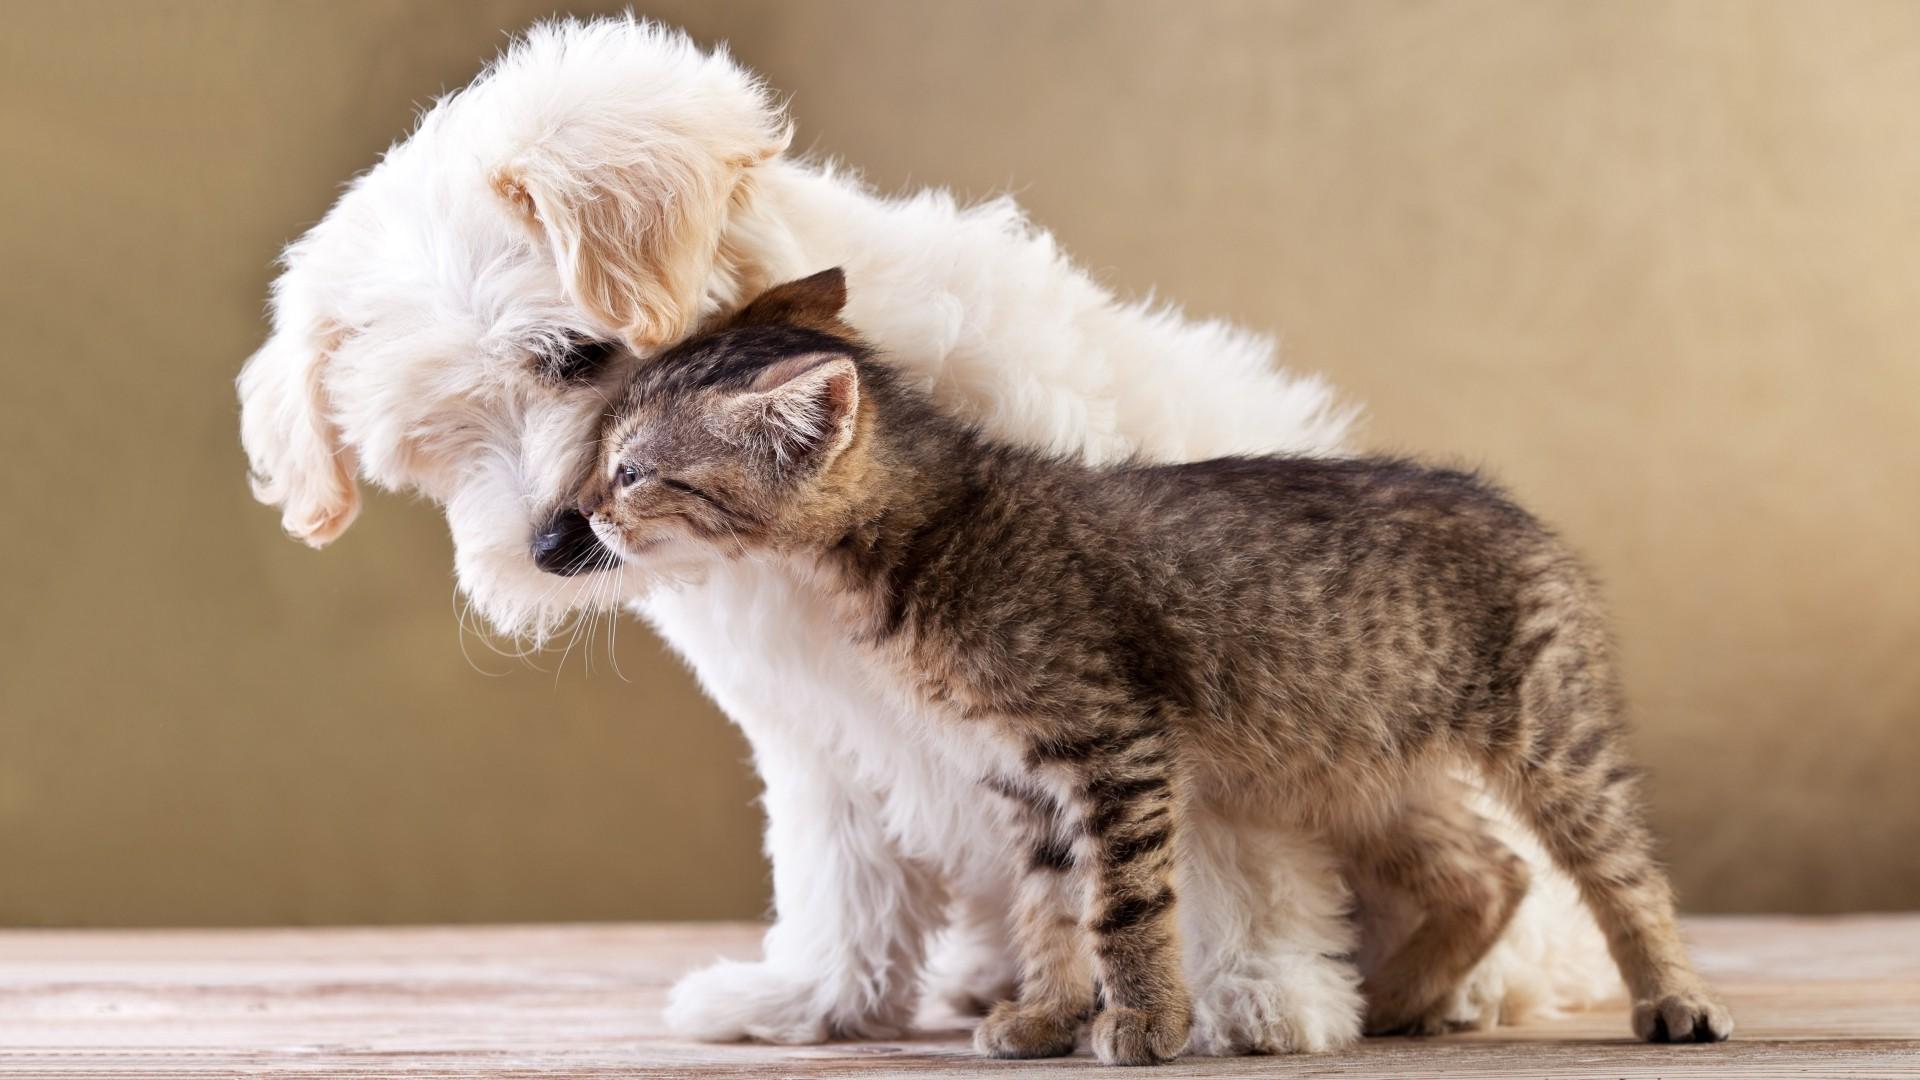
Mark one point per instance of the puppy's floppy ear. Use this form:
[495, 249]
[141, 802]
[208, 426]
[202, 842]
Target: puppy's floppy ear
[634, 214]
[298, 462]
[800, 409]
[811, 301]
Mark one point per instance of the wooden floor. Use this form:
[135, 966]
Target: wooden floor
[1812, 997]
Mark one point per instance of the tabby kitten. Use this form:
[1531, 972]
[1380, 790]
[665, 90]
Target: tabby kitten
[1293, 639]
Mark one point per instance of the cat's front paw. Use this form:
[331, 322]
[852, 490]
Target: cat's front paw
[1015, 1031]
[1688, 1016]
[1140, 1036]
[1301, 1008]
[731, 1001]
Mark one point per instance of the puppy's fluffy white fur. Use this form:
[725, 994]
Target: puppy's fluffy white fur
[611, 178]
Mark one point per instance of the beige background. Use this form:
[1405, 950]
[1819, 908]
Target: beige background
[1655, 265]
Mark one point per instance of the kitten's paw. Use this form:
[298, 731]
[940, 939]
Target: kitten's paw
[1013, 1031]
[1139, 1036]
[1278, 1009]
[1688, 1016]
[1476, 1004]
[1400, 1019]
[731, 1001]
[1396, 1010]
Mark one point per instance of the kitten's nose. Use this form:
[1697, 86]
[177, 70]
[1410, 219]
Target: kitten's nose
[565, 545]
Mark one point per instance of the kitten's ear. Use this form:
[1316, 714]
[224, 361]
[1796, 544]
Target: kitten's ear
[810, 301]
[800, 409]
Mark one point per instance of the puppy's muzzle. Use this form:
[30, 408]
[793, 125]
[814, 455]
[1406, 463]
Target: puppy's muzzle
[565, 545]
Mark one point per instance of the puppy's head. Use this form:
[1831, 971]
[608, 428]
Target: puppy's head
[454, 324]
[735, 441]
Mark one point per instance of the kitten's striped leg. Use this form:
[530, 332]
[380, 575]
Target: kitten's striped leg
[1056, 979]
[1130, 809]
[1563, 758]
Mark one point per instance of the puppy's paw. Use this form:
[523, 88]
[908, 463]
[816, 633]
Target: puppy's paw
[1687, 1016]
[1481, 1000]
[1140, 1036]
[1015, 1031]
[1303, 1008]
[731, 1001]
[971, 976]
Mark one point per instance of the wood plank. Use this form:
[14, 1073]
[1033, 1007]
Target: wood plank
[1813, 997]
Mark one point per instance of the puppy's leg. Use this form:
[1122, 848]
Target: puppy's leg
[1267, 937]
[851, 918]
[972, 967]
[1464, 885]
[852, 915]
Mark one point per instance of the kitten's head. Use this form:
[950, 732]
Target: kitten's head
[743, 438]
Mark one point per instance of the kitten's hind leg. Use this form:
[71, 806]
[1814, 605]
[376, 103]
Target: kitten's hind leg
[1442, 859]
[1561, 755]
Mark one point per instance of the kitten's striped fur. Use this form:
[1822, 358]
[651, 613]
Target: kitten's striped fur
[1300, 640]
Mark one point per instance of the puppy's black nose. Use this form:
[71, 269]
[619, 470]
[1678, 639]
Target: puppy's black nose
[565, 545]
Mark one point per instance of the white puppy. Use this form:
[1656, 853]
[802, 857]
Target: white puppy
[450, 327]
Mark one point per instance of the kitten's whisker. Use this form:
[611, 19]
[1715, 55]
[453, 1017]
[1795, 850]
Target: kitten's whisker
[612, 580]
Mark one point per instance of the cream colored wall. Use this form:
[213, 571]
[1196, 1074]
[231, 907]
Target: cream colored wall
[1656, 266]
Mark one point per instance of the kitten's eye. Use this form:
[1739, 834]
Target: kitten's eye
[627, 476]
[578, 358]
